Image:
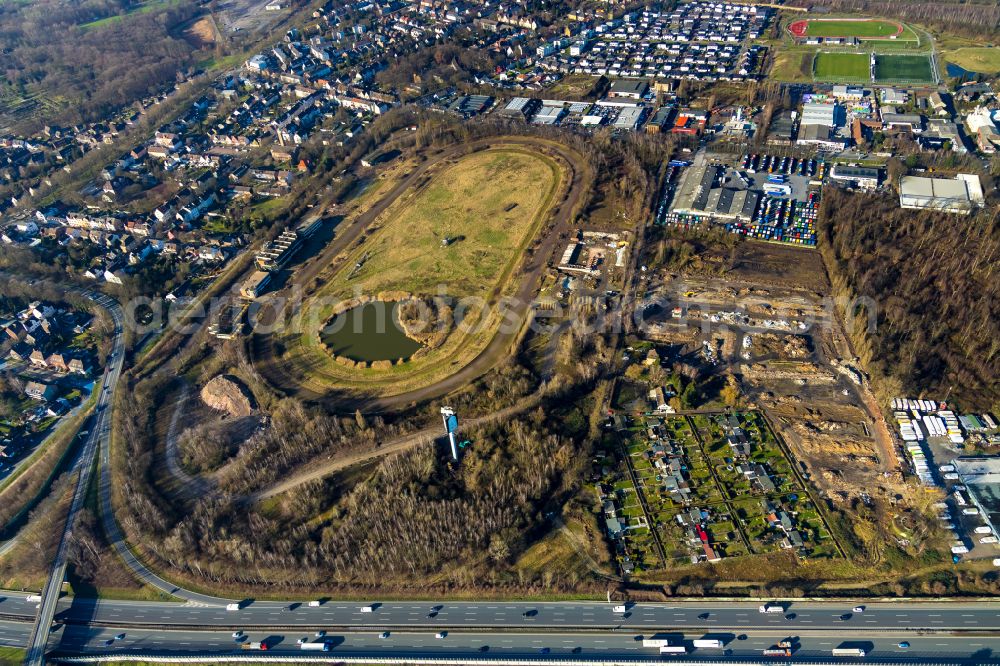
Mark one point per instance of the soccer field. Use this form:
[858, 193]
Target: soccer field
[841, 67]
[904, 68]
[862, 29]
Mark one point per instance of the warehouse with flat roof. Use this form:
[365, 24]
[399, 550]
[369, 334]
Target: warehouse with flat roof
[699, 195]
[961, 194]
[866, 177]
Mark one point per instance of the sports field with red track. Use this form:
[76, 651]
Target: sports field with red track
[845, 28]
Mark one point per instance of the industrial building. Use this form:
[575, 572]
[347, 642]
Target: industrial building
[521, 107]
[699, 193]
[629, 88]
[981, 476]
[629, 118]
[548, 115]
[819, 113]
[960, 194]
[782, 129]
[864, 177]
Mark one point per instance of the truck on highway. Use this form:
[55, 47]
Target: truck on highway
[619, 609]
[232, 607]
[367, 609]
[653, 641]
[255, 645]
[315, 604]
[771, 608]
[673, 649]
[707, 643]
[848, 652]
[33, 598]
[322, 646]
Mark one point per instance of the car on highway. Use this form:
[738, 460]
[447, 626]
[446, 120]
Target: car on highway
[441, 634]
[120, 637]
[237, 633]
[858, 609]
[903, 645]
[109, 642]
[384, 634]
[704, 616]
[529, 613]
[544, 650]
[320, 634]
[846, 616]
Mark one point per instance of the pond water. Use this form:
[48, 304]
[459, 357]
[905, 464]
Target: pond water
[954, 71]
[369, 332]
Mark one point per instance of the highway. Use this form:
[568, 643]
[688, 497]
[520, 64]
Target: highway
[100, 431]
[549, 616]
[88, 640]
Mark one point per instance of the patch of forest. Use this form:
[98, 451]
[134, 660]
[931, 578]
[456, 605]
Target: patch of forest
[67, 62]
[934, 280]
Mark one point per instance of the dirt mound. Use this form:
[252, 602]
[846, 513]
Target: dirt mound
[226, 394]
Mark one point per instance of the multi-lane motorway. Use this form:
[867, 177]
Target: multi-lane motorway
[94, 640]
[802, 616]
[935, 632]
[459, 643]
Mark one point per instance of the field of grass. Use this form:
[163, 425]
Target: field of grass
[982, 59]
[841, 66]
[792, 65]
[11, 655]
[490, 204]
[573, 87]
[143, 8]
[874, 28]
[468, 201]
[904, 68]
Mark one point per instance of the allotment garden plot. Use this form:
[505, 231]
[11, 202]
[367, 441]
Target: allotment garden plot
[705, 488]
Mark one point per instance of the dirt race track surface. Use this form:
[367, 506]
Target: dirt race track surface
[579, 179]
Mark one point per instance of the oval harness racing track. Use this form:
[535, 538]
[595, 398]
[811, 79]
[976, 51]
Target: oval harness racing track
[560, 216]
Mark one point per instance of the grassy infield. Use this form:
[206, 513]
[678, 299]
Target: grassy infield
[468, 200]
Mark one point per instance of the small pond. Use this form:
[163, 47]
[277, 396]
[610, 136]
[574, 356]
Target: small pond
[369, 332]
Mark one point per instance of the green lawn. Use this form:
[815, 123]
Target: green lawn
[903, 68]
[143, 8]
[847, 28]
[984, 59]
[11, 655]
[841, 66]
